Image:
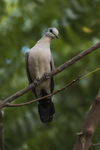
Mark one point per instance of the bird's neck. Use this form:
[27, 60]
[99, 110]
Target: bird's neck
[45, 41]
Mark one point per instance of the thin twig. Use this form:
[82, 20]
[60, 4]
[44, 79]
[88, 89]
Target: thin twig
[52, 73]
[38, 99]
[96, 144]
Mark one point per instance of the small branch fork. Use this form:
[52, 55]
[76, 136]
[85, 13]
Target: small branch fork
[52, 73]
[89, 127]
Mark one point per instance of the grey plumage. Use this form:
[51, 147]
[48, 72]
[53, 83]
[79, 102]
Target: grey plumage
[39, 61]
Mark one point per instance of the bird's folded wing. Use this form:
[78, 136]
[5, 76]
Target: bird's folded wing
[27, 68]
[52, 78]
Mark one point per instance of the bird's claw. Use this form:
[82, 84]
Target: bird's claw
[45, 75]
[36, 81]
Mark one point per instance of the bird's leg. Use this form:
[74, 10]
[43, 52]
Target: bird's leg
[45, 75]
[36, 81]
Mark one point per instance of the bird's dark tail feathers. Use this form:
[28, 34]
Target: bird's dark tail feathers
[46, 108]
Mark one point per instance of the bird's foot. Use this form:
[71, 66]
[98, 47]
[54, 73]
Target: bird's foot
[45, 75]
[36, 81]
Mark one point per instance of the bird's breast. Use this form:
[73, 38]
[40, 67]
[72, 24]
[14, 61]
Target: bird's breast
[39, 62]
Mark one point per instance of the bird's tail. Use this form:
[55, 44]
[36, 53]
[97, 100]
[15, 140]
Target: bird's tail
[46, 109]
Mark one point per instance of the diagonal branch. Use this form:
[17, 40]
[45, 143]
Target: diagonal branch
[89, 127]
[52, 73]
[38, 99]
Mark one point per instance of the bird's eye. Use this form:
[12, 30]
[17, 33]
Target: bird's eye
[51, 30]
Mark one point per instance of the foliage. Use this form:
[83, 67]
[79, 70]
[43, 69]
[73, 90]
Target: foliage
[22, 23]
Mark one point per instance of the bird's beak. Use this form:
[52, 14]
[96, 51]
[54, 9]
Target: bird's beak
[56, 36]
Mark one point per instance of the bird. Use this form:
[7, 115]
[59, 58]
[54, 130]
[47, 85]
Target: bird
[39, 62]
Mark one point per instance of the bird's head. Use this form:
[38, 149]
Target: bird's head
[52, 33]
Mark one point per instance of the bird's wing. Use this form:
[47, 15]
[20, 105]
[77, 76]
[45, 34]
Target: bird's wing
[27, 69]
[52, 78]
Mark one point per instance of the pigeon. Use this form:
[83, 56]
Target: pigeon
[39, 62]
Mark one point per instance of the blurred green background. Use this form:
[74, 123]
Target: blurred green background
[22, 23]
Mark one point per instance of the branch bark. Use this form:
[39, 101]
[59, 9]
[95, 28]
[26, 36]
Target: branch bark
[89, 127]
[52, 73]
[38, 99]
[1, 132]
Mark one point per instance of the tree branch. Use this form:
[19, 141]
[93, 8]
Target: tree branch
[89, 127]
[1, 132]
[52, 73]
[38, 99]
[96, 144]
